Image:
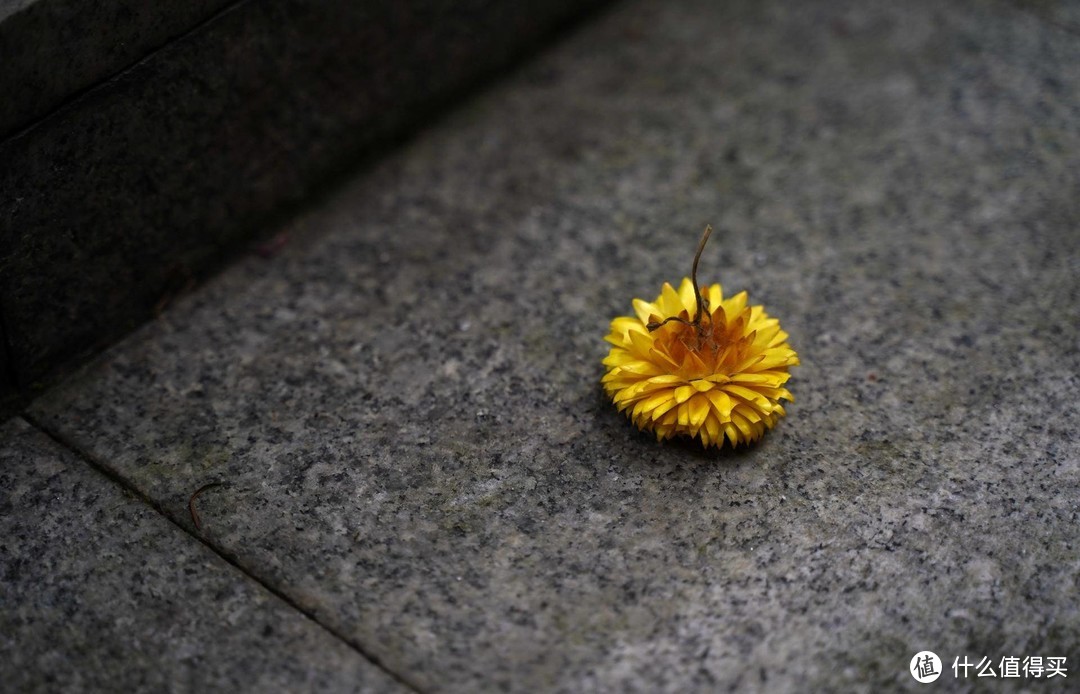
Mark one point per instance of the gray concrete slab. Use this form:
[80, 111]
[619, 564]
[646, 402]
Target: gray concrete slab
[406, 405]
[99, 593]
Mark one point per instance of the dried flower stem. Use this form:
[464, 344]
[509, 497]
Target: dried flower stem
[701, 303]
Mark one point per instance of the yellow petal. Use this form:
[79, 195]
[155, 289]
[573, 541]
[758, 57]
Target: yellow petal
[774, 358]
[663, 360]
[699, 410]
[732, 433]
[650, 403]
[643, 309]
[642, 344]
[643, 368]
[683, 393]
[749, 412]
[695, 365]
[712, 425]
[669, 302]
[624, 324]
[735, 305]
[660, 383]
[684, 414]
[664, 408]
[686, 296]
[771, 379]
[618, 357]
[715, 295]
[743, 425]
[748, 395]
[721, 403]
[666, 379]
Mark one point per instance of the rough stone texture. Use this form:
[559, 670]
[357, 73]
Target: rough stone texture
[1065, 14]
[405, 402]
[9, 393]
[51, 49]
[113, 204]
[100, 593]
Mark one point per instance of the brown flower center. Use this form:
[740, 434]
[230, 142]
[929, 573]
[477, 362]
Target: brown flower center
[697, 349]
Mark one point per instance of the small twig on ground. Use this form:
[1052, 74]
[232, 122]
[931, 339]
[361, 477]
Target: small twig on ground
[191, 503]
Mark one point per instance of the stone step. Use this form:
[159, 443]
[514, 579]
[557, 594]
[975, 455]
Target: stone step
[158, 161]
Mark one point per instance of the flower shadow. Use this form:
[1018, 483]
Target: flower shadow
[640, 449]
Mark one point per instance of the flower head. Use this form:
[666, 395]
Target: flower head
[694, 363]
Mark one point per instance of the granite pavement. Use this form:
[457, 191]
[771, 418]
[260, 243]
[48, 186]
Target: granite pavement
[404, 404]
[99, 593]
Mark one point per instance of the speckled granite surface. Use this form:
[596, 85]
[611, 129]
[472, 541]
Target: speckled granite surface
[405, 402]
[99, 593]
[1064, 14]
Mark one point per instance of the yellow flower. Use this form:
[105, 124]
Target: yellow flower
[694, 363]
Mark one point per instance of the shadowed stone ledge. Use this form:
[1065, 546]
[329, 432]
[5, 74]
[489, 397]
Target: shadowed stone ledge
[119, 201]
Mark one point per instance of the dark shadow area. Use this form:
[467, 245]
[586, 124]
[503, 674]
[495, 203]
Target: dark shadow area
[146, 184]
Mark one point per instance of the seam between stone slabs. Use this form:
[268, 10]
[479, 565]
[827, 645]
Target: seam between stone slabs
[82, 91]
[124, 484]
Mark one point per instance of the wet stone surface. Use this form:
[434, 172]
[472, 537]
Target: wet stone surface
[405, 402]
